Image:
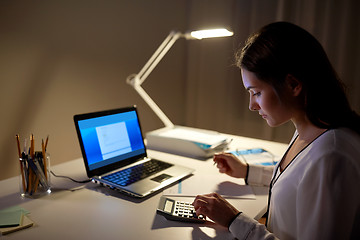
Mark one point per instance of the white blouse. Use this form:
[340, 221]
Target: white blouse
[317, 195]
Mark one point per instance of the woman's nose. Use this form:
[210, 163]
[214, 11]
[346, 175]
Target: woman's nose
[253, 106]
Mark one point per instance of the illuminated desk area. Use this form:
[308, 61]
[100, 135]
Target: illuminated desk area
[90, 211]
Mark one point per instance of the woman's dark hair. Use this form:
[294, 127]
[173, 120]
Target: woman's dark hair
[282, 48]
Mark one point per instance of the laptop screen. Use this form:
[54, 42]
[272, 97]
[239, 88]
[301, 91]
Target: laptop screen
[109, 139]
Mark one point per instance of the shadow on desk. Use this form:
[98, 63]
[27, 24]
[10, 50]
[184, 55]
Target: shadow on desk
[118, 194]
[15, 198]
[198, 232]
[12, 200]
[113, 193]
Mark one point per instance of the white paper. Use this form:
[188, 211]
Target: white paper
[225, 185]
[257, 156]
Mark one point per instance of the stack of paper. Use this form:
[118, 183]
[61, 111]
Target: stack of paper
[198, 143]
[14, 219]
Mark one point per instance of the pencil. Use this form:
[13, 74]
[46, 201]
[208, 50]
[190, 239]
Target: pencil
[37, 180]
[32, 146]
[20, 161]
[46, 142]
[18, 144]
[44, 157]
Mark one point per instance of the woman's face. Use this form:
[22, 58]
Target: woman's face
[264, 99]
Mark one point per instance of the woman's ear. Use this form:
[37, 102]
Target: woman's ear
[294, 85]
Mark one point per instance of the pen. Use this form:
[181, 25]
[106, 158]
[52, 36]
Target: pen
[39, 175]
[32, 174]
[26, 170]
[30, 180]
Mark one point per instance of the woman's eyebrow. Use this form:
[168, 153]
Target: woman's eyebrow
[249, 87]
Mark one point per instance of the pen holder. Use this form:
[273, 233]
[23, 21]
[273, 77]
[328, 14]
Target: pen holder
[34, 180]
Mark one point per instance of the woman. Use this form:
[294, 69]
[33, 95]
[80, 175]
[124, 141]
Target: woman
[314, 189]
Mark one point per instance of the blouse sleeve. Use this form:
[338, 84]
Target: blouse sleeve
[244, 227]
[328, 199]
[259, 175]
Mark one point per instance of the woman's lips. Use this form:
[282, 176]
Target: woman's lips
[263, 115]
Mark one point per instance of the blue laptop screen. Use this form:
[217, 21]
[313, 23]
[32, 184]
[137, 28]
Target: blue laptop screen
[111, 138]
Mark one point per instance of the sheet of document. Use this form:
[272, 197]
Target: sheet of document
[225, 185]
[257, 156]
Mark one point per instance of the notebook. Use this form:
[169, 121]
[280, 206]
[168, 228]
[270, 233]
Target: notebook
[114, 153]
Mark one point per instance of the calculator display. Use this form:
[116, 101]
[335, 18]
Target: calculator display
[168, 205]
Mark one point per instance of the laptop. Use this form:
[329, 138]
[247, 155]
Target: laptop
[115, 156]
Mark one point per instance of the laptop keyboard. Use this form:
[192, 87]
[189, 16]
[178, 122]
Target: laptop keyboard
[137, 172]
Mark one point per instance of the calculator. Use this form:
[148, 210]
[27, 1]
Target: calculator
[178, 211]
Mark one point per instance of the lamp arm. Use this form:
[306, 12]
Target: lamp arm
[153, 106]
[136, 80]
[158, 55]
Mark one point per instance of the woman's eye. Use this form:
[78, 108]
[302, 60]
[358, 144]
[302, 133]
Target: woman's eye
[256, 94]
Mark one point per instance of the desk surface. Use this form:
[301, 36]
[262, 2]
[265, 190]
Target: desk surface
[89, 211]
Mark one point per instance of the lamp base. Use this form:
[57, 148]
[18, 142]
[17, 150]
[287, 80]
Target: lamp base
[187, 141]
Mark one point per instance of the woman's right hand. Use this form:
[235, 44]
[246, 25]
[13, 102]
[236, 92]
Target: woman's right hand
[229, 164]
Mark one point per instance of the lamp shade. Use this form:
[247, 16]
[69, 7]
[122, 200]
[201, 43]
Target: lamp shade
[211, 33]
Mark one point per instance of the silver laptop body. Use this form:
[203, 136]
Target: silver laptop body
[112, 141]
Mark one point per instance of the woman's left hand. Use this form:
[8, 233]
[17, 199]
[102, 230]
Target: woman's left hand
[216, 208]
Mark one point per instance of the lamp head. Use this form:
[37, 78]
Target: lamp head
[209, 33]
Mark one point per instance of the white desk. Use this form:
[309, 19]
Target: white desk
[90, 211]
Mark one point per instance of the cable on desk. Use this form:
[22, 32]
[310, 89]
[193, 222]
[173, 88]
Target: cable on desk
[84, 181]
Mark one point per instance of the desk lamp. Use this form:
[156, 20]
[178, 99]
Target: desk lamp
[178, 139]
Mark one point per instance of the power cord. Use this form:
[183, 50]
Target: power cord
[84, 181]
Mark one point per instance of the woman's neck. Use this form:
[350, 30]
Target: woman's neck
[306, 130]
